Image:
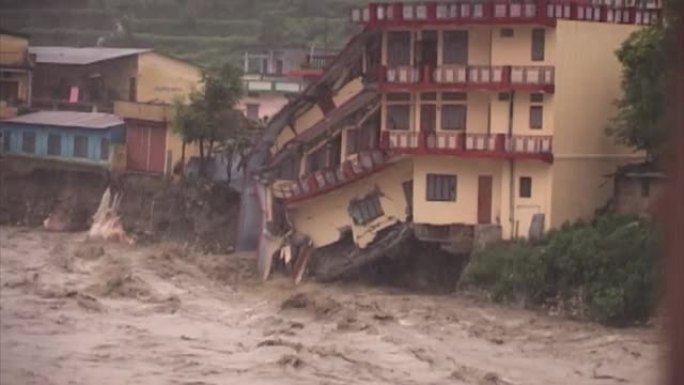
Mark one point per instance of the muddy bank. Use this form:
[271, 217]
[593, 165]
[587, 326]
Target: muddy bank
[152, 208]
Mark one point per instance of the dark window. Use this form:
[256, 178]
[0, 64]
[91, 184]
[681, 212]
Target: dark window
[536, 116]
[279, 67]
[361, 139]
[441, 187]
[506, 32]
[504, 96]
[264, 66]
[54, 144]
[398, 117]
[428, 96]
[398, 48]
[538, 39]
[454, 96]
[80, 146]
[253, 65]
[398, 97]
[454, 117]
[6, 140]
[525, 187]
[537, 98]
[288, 168]
[366, 209]
[645, 188]
[28, 142]
[455, 49]
[253, 111]
[132, 89]
[408, 194]
[104, 149]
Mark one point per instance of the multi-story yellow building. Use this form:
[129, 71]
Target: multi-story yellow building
[463, 120]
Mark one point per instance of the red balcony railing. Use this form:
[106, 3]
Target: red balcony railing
[324, 180]
[477, 145]
[495, 78]
[543, 12]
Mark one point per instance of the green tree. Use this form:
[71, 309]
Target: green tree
[640, 121]
[210, 119]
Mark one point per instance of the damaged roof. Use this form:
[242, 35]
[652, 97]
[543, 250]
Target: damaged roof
[347, 55]
[81, 55]
[71, 119]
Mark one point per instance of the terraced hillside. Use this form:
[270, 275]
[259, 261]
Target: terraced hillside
[201, 31]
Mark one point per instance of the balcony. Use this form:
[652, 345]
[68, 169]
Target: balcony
[321, 181]
[500, 146]
[273, 85]
[467, 78]
[539, 12]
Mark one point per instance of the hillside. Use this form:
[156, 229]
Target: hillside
[201, 31]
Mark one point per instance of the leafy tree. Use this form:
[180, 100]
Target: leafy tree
[210, 118]
[640, 121]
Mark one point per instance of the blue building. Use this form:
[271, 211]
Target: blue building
[84, 137]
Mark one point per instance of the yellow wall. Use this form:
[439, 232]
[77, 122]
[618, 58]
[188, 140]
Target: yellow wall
[538, 203]
[587, 84]
[307, 119]
[159, 113]
[580, 186]
[163, 79]
[464, 209]
[322, 217]
[13, 50]
[517, 50]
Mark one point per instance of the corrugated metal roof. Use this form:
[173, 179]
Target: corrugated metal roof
[81, 55]
[90, 120]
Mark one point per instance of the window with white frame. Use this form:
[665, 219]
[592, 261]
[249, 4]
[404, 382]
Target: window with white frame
[536, 111]
[454, 110]
[398, 111]
[455, 47]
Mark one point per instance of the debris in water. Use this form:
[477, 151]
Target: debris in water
[107, 222]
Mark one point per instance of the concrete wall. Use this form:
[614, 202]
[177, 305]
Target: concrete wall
[323, 217]
[517, 50]
[163, 79]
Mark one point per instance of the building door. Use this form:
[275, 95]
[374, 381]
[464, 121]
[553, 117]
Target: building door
[145, 147]
[484, 199]
[428, 49]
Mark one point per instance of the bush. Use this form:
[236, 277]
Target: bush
[604, 270]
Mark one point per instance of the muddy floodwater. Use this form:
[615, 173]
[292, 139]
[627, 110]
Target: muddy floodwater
[77, 312]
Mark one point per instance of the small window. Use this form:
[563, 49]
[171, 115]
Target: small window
[399, 117]
[104, 149]
[253, 111]
[366, 209]
[506, 32]
[441, 188]
[536, 117]
[504, 96]
[6, 140]
[537, 98]
[645, 188]
[428, 96]
[538, 40]
[454, 96]
[398, 97]
[80, 146]
[454, 117]
[525, 187]
[54, 144]
[455, 47]
[28, 142]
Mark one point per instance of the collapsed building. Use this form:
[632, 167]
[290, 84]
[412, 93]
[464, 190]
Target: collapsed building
[449, 124]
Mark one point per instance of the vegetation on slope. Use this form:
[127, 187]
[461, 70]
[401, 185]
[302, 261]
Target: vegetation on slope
[605, 270]
[203, 31]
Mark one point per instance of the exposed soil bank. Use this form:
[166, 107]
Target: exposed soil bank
[152, 208]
